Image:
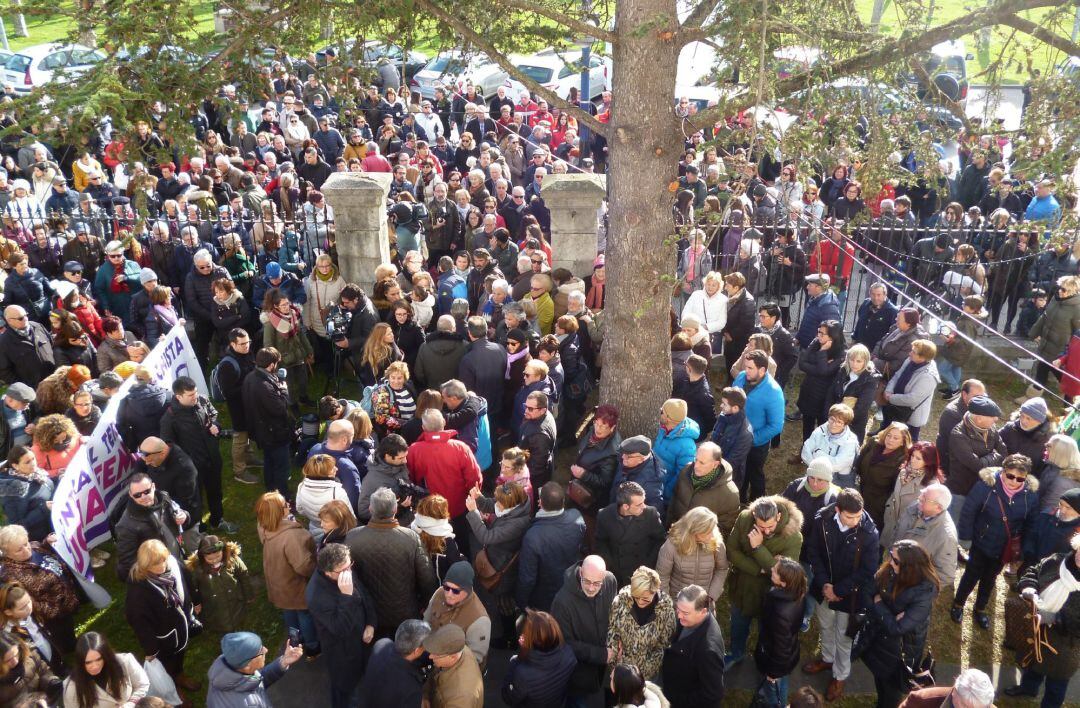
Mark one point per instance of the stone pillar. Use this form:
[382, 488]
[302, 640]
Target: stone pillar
[574, 201]
[359, 203]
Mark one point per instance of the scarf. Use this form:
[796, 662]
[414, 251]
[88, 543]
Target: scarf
[909, 474]
[700, 483]
[594, 299]
[515, 357]
[167, 584]
[286, 326]
[229, 299]
[1052, 599]
[440, 528]
[328, 277]
[167, 314]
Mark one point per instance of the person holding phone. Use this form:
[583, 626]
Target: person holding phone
[243, 661]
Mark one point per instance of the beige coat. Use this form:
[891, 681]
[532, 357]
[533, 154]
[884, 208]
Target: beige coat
[135, 687]
[937, 537]
[460, 686]
[899, 500]
[709, 570]
[288, 563]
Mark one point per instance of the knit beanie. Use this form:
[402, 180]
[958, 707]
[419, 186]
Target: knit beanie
[675, 410]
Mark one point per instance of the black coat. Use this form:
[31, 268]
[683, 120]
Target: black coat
[700, 403]
[179, 478]
[189, 427]
[693, 667]
[628, 542]
[820, 372]
[785, 352]
[199, 295]
[140, 411]
[904, 639]
[777, 652]
[550, 546]
[409, 338]
[872, 325]
[483, 370]
[541, 680]
[833, 553]
[138, 523]
[266, 401]
[391, 680]
[863, 389]
[438, 359]
[231, 379]
[741, 322]
[599, 460]
[29, 358]
[538, 437]
[340, 621]
[584, 624]
[162, 627]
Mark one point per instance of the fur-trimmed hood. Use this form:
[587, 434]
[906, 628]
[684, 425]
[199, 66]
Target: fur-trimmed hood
[989, 476]
[1071, 474]
[791, 518]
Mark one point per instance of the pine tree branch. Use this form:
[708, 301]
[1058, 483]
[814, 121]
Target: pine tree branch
[477, 40]
[573, 24]
[1042, 34]
[697, 17]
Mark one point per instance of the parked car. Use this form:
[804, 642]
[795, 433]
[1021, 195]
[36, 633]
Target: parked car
[454, 69]
[560, 72]
[946, 64]
[41, 63]
[369, 54]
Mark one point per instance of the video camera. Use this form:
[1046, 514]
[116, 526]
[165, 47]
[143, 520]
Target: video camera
[337, 323]
[408, 489]
[407, 215]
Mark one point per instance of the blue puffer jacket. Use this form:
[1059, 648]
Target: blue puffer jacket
[823, 307]
[764, 408]
[650, 474]
[981, 519]
[23, 501]
[676, 450]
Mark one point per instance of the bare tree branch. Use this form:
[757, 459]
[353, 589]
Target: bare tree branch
[955, 108]
[701, 12]
[1042, 34]
[881, 54]
[474, 38]
[241, 38]
[571, 23]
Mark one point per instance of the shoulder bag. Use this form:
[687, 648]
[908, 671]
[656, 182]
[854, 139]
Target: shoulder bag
[486, 573]
[1012, 551]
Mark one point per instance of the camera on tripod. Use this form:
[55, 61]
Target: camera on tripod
[337, 323]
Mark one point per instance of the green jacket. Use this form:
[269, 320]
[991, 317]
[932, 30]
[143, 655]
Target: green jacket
[224, 595]
[749, 578]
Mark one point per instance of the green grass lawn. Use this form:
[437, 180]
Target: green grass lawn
[1017, 49]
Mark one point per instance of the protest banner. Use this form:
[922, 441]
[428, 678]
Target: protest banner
[95, 479]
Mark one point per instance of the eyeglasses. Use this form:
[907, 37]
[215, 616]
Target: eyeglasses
[140, 495]
[115, 256]
[592, 583]
[1013, 477]
[533, 408]
[148, 453]
[453, 590]
[75, 272]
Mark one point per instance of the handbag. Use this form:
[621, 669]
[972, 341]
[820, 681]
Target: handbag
[580, 494]
[161, 684]
[920, 675]
[866, 632]
[1012, 551]
[486, 573]
[1025, 633]
[767, 695]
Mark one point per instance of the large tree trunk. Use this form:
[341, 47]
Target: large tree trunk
[644, 150]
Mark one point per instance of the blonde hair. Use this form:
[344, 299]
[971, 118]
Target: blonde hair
[398, 367]
[684, 532]
[361, 423]
[857, 352]
[376, 351]
[713, 277]
[644, 580]
[11, 534]
[880, 438]
[924, 348]
[320, 467]
[843, 412]
[761, 342]
[1062, 451]
[151, 552]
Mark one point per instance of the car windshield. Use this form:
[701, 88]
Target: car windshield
[950, 64]
[446, 65]
[18, 63]
[539, 74]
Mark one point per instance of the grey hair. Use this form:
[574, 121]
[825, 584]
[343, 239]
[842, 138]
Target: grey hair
[717, 453]
[514, 309]
[11, 534]
[459, 307]
[446, 323]
[433, 421]
[410, 635]
[764, 509]
[975, 687]
[500, 284]
[202, 256]
[939, 493]
[576, 296]
[331, 556]
[191, 231]
[454, 389]
[879, 285]
[383, 503]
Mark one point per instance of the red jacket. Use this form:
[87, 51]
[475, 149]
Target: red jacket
[1070, 363]
[445, 466]
[826, 258]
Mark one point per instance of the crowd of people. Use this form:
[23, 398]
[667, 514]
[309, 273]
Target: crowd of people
[434, 519]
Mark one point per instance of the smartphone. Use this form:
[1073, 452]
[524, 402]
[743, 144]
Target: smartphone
[294, 637]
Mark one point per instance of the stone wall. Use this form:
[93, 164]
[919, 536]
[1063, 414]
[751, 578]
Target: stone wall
[574, 201]
[359, 203]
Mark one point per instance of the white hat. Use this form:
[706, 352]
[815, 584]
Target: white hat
[820, 468]
[20, 184]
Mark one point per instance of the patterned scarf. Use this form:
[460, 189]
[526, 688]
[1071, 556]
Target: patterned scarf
[286, 326]
[167, 584]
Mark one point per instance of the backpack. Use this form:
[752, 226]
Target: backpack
[451, 288]
[365, 401]
[217, 394]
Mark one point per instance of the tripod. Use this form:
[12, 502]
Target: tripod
[340, 362]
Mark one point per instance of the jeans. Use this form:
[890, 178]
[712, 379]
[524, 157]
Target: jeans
[956, 506]
[301, 619]
[1055, 688]
[775, 698]
[753, 484]
[276, 468]
[835, 644]
[844, 481]
[951, 374]
[740, 632]
[577, 700]
[811, 601]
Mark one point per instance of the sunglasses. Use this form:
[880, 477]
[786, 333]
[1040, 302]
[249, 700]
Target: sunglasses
[116, 255]
[1013, 477]
[140, 495]
[452, 590]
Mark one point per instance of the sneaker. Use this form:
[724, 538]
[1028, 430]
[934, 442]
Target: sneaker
[97, 562]
[246, 478]
[100, 553]
[224, 526]
[956, 614]
[805, 626]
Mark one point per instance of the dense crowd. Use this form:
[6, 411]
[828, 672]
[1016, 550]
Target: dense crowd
[432, 521]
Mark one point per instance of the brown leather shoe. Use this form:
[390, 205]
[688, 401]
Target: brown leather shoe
[816, 666]
[187, 683]
[835, 691]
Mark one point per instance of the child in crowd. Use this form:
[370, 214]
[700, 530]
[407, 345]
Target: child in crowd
[223, 585]
[1030, 312]
[959, 345]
